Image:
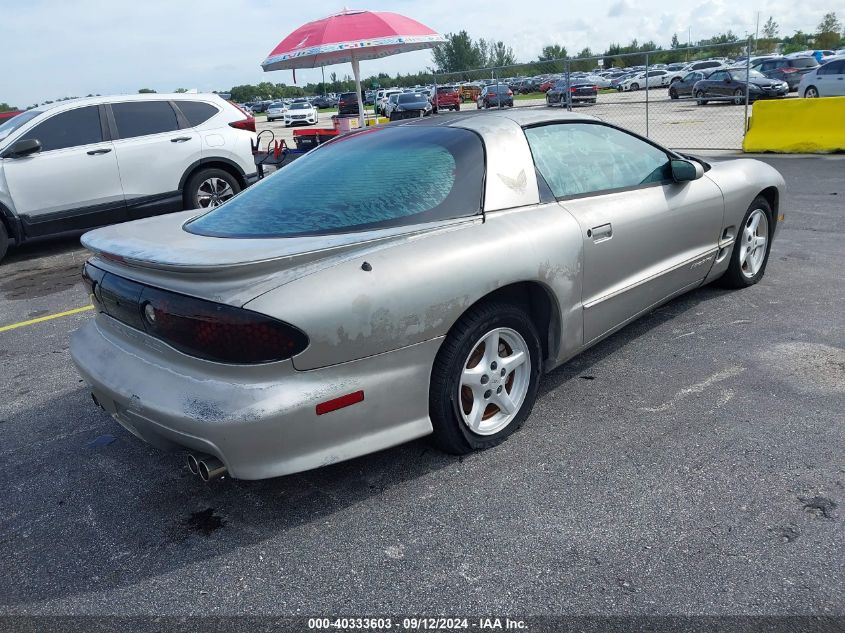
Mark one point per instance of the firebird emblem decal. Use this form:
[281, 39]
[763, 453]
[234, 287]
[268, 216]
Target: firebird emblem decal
[519, 183]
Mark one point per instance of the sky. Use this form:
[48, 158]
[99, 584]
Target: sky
[55, 48]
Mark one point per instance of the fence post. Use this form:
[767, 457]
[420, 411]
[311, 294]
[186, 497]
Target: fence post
[434, 105]
[568, 91]
[646, 95]
[747, 81]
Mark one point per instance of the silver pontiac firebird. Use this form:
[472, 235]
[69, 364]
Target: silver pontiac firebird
[401, 281]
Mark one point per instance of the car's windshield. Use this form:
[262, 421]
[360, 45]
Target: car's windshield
[300, 106]
[277, 104]
[17, 121]
[377, 178]
[739, 75]
[410, 98]
[804, 62]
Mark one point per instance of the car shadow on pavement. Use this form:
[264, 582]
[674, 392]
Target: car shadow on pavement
[45, 247]
[89, 508]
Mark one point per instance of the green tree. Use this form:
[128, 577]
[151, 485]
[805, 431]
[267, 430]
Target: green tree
[552, 51]
[768, 43]
[675, 43]
[499, 54]
[5, 107]
[458, 53]
[828, 31]
[180, 90]
[146, 91]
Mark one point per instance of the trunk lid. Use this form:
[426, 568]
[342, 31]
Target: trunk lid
[160, 253]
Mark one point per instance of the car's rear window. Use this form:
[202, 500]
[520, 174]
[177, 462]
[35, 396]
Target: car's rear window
[378, 178]
[446, 90]
[410, 98]
[804, 62]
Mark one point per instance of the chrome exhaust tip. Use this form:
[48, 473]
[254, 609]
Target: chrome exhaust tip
[211, 468]
[193, 464]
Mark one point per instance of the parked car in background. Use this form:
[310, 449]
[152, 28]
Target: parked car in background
[88, 162]
[827, 80]
[8, 115]
[646, 79]
[703, 65]
[390, 105]
[301, 113]
[348, 104]
[495, 96]
[683, 87]
[447, 98]
[410, 105]
[580, 91]
[598, 81]
[469, 92]
[730, 85]
[307, 342]
[382, 103]
[276, 111]
[788, 69]
[324, 101]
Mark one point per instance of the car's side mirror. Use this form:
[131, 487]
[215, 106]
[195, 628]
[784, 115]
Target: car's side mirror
[686, 170]
[23, 148]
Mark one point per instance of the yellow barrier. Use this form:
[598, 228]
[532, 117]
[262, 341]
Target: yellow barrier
[797, 126]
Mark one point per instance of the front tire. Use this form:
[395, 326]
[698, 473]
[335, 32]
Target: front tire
[811, 93]
[484, 379]
[739, 96]
[751, 248]
[700, 96]
[673, 94]
[209, 188]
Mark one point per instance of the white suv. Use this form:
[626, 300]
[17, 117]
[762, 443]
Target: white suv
[100, 160]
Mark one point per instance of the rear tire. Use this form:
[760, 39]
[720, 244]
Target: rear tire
[4, 241]
[751, 248]
[213, 192]
[467, 385]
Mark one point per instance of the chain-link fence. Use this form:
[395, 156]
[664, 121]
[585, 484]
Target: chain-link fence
[656, 94]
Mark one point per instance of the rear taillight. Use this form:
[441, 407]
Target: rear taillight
[244, 124]
[217, 332]
[200, 328]
[510, 93]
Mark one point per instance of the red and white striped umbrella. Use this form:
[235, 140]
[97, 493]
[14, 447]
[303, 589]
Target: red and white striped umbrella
[350, 36]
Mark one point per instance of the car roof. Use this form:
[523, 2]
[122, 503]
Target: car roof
[83, 101]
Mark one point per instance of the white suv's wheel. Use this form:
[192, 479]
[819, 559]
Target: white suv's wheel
[209, 188]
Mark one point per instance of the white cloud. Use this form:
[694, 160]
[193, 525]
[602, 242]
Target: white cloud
[55, 48]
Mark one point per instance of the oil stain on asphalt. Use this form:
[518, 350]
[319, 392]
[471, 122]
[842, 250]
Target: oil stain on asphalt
[204, 522]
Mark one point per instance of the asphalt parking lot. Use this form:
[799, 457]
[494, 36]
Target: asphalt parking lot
[690, 464]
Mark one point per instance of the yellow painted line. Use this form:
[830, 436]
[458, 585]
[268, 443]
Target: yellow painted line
[49, 317]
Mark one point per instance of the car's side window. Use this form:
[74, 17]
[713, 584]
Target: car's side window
[73, 128]
[196, 112]
[141, 118]
[584, 158]
[719, 76]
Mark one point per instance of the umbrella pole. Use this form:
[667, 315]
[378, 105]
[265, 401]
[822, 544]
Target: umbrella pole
[356, 70]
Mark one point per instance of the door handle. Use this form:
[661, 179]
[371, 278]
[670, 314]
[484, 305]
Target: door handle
[97, 152]
[180, 139]
[601, 233]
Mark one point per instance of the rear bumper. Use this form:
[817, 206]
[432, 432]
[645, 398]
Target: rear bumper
[259, 420]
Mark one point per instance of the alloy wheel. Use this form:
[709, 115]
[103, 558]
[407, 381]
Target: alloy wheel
[739, 96]
[213, 192]
[755, 237]
[494, 381]
[811, 93]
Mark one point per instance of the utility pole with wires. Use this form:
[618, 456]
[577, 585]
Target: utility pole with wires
[756, 33]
